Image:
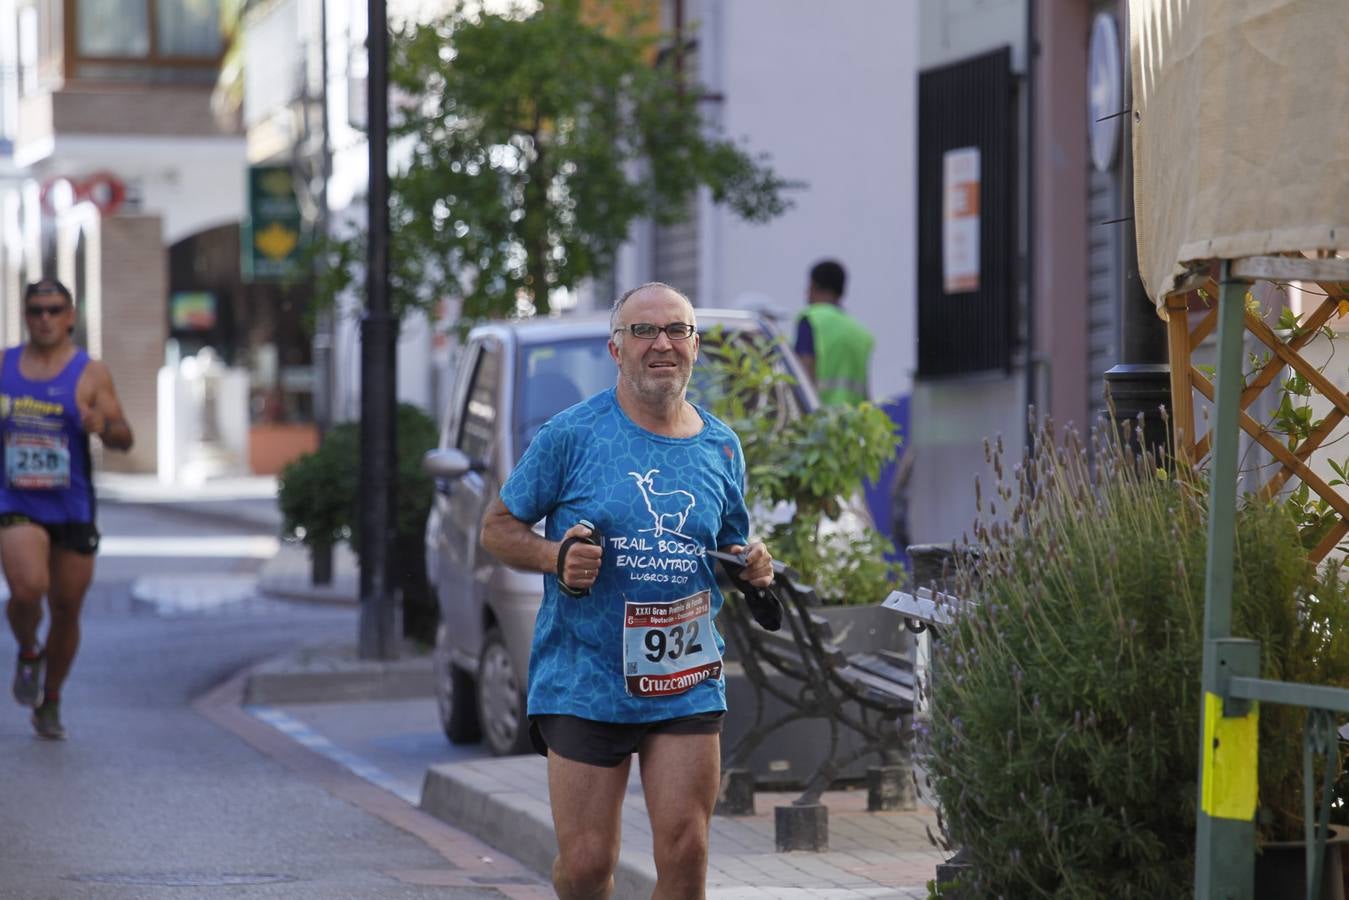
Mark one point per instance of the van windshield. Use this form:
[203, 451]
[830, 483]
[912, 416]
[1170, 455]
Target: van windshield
[554, 376]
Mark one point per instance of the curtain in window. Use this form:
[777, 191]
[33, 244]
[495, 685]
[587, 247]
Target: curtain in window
[112, 28]
[188, 27]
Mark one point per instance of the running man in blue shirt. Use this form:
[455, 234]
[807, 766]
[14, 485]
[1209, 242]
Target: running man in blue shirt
[52, 398]
[625, 657]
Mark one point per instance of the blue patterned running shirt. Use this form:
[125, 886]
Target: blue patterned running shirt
[641, 646]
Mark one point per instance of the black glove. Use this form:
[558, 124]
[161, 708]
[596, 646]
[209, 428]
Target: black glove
[763, 602]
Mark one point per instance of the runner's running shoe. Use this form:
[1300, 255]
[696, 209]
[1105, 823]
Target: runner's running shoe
[28, 681]
[47, 722]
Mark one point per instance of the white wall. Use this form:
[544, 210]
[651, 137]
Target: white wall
[192, 183]
[955, 29]
[830, 91]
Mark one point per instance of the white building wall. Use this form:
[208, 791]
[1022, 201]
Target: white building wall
[192, 183]
[829, 90]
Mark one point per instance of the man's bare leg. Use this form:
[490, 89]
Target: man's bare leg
[681, 774]
[587, 804]
[24, 552]
[70, 576]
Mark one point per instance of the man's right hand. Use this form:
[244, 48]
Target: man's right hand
[582, 565]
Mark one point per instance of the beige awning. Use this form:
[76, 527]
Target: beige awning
[1241, 130]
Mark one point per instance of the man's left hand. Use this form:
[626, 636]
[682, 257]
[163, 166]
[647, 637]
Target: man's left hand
[758, 563]
[93, 420]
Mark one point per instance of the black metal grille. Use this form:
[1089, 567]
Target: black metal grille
[967, 104]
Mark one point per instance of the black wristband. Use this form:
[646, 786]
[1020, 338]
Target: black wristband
[593, 539]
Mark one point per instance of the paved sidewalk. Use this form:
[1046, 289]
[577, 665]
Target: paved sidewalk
[289, 575]
[504, 802]
[247, 502]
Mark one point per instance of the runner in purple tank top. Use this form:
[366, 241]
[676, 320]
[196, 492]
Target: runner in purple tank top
[52, 398]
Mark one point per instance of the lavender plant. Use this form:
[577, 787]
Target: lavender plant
[1065, 699]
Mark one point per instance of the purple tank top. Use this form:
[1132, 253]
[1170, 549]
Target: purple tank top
[46, 451]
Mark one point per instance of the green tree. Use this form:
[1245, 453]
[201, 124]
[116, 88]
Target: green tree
[526, 146]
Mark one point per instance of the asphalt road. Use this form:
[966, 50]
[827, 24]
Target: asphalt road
[149, 798]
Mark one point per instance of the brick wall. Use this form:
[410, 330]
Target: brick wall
[135, 282]
[179, 111]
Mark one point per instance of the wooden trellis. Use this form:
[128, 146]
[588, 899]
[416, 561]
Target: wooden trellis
[1332, 277]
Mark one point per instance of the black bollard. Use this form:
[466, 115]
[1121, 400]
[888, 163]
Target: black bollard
[803, 827]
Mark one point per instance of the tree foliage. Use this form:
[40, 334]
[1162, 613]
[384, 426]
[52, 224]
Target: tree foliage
[525, 145]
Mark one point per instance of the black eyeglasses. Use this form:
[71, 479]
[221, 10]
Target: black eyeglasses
[36, 309]
[675, 331]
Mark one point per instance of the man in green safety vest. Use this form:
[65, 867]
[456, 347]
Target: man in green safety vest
[835, 347]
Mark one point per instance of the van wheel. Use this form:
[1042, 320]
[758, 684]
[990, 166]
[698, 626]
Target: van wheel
[501, 699]
[456, 695]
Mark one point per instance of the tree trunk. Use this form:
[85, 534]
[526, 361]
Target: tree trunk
[534, 229]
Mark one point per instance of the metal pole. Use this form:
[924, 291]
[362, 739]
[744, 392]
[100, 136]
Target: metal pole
[322, 344]
[323, 331]
[1032, 52]
[1141, 382]
[379, 333]
[1225, 829]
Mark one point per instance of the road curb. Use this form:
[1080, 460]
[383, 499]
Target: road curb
[335, 674]
[470, 866]
[481, 799]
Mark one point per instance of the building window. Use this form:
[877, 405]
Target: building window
[112, 28]
[146, 40]
[188, 27]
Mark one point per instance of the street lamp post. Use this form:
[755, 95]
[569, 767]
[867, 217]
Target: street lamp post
[379, 332]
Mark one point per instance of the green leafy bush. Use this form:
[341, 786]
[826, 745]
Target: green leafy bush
[807, 462]
[319, 493]
[1065, 700]
[320, 498]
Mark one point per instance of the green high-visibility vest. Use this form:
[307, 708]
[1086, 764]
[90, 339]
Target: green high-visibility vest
[842, 354]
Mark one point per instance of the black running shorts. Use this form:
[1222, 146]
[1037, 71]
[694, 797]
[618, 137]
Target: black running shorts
[81, 537]
[607, 744]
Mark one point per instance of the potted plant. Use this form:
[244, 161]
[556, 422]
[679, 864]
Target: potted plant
[804, 479]
[805, 473]
[1065, 698]
[318, 496]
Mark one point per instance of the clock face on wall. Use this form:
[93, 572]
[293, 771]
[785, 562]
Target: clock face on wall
[1105, 95]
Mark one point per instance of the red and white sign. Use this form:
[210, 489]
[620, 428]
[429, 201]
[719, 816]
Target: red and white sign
[960, 220]
[103, 189]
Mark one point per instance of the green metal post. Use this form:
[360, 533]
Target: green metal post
[1225, 830]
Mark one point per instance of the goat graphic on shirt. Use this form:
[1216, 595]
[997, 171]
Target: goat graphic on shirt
[669, 509]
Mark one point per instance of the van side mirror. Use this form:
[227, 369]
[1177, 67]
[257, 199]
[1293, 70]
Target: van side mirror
[448, 464]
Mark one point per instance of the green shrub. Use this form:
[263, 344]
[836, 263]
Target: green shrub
[1065, 701]
[804, 463]
[320, 498]
[319, 492]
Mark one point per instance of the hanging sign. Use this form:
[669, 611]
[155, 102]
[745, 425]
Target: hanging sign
[960, 220]
[271, 238]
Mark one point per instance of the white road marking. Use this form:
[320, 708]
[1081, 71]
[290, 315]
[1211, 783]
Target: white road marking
[299, 731]
[255, 546]
[193, 593]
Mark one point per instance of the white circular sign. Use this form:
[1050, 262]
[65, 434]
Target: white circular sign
[1105, 95]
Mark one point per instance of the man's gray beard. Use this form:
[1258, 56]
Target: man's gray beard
[657, 392]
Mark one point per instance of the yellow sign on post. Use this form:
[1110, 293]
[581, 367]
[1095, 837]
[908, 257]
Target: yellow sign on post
[1229, 783]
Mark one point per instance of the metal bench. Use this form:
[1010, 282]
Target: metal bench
[801, 665]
